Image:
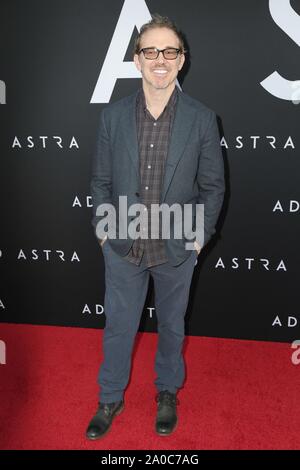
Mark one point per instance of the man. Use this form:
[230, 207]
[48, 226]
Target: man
[156, 146]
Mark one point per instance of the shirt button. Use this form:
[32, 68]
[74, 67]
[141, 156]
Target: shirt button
[149, 166]
[154, 124]
[146, 187]
[151, 145]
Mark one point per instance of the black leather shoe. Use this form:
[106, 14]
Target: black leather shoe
[166, 418]
[102, 421]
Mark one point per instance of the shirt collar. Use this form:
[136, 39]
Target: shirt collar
[170, 106]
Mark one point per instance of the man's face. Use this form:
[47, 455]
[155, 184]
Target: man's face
[159, 73]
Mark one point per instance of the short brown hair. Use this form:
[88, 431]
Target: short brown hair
[158, 21]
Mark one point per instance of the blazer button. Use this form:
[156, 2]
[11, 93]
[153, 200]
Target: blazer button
[137, 194]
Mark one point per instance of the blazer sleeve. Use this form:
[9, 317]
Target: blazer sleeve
[210, 177]
[101, 171]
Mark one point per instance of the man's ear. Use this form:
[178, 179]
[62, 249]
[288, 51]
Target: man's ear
[137, 61]
[182, 60]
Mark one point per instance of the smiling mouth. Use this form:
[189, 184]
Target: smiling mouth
[160, 72]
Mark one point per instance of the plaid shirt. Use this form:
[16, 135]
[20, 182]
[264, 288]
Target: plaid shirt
[153, 140]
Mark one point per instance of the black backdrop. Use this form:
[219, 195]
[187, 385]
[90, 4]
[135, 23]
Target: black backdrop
[51, 265]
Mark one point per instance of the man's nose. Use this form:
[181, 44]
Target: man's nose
[160, 57]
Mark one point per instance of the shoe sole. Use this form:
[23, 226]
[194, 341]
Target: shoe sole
[163, 434]
[108, 429]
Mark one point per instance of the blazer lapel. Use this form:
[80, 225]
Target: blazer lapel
[130, 132]
[182, 127]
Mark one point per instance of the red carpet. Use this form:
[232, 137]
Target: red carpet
[238, 394]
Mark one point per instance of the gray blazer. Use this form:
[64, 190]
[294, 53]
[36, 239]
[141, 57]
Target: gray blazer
[194, 169]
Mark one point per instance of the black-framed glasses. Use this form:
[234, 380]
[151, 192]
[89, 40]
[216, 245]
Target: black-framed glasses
[152, 53]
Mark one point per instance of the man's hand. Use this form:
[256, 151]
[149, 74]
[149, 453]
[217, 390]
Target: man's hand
[197, 247]
[101, 242]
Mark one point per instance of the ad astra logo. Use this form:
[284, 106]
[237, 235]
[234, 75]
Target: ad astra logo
[289, 21]
[99, 310]
[134, 14]
[87, 202]
[43, 141]
[2, 352]
[256, 141]
[250, 263]
[291, 206]
[290, 322]
[239, 142]
[46, 255]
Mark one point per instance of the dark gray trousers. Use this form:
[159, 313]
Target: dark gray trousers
[126, 289]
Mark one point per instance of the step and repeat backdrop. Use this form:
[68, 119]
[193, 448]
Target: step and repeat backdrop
[61, 63]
